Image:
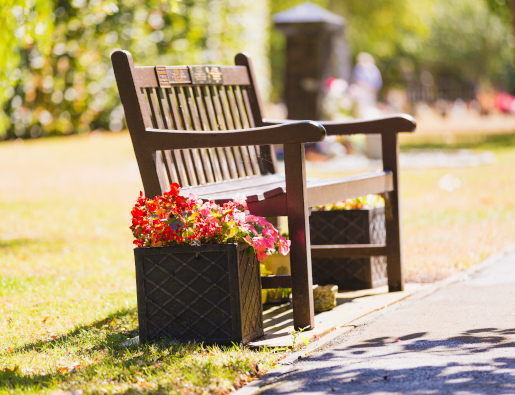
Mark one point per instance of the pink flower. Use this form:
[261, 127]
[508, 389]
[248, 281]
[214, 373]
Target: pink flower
[262, 243]
[250, 228]
[239, 217]
[194, 198]
[259, 220]
[241, 200]
[272, 232]
[212, 220]
[208, 207]
[284, 245]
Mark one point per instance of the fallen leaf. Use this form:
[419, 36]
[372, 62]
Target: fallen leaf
[71, 368]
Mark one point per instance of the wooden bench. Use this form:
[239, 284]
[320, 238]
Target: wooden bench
[203, 127]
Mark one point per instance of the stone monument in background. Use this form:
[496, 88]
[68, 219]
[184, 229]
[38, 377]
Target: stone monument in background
[315, 51]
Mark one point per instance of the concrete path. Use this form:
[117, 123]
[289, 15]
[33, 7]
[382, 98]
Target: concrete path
[458, 340]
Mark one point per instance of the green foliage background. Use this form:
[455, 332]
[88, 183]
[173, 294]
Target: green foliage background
[63, 82]
[56, 77]
[467, 40]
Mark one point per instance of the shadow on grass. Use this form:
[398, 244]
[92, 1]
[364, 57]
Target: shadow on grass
[103, 338]
[117, 366]
[358, 369]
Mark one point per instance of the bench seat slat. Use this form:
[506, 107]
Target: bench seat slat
[261, 188]
[234, 186]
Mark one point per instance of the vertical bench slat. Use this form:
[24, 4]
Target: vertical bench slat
[246, 124]
[156, 119]
[209, 167]
[164, 182]
[170, 165]
[161, 123]
[172, 102]
[172, 171]
[222, 160]
[230, 125]
[164, 109]
[246, 100]
[199, 168]
[202, 104]
[238, 124]
[248, 108]
[186, 122]
[223, 126]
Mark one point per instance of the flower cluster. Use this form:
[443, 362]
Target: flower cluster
[368, 201]
[173, 219]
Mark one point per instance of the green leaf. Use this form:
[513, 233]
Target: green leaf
[250, 251]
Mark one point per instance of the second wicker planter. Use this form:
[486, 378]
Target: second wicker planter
[364, 226]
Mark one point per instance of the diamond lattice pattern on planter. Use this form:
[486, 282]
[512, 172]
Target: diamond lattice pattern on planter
[180, 291]
[250, 293]
[349, 227]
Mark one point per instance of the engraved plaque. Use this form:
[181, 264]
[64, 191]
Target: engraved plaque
[206, 74]
[162, 77]
[198, 74]
[166, 76]
[215, 75]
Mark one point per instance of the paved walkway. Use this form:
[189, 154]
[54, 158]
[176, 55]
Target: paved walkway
[458, 340]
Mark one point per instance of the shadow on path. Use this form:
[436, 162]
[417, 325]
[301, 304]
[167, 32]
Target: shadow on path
[411, 364]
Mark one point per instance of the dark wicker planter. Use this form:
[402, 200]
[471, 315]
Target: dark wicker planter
[209, 293]
[365, 226]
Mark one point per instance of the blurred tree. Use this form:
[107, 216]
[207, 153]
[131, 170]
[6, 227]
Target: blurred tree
[27, 24]
[71, 87]
[467, 42]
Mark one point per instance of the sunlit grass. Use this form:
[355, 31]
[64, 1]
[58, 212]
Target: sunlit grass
[67, 270]
[67, 288]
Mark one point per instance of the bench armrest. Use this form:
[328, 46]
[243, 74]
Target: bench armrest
[390, 124]
[285, 133]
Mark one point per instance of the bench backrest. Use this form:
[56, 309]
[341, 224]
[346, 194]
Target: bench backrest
[193, 98]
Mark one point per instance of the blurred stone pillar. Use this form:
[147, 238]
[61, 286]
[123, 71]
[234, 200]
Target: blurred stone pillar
[315, 51]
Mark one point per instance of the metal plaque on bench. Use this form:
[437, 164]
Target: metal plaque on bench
[206, 75]
[166, 76]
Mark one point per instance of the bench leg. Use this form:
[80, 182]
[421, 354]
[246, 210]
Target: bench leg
[393, 219]
[298, 226]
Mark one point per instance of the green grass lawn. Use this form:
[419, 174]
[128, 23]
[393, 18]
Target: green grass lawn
[67, 289]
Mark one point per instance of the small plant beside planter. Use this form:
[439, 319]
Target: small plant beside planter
[356, 221]
[197, 268]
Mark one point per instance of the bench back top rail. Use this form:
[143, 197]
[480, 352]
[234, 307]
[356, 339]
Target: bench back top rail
[194, 98]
